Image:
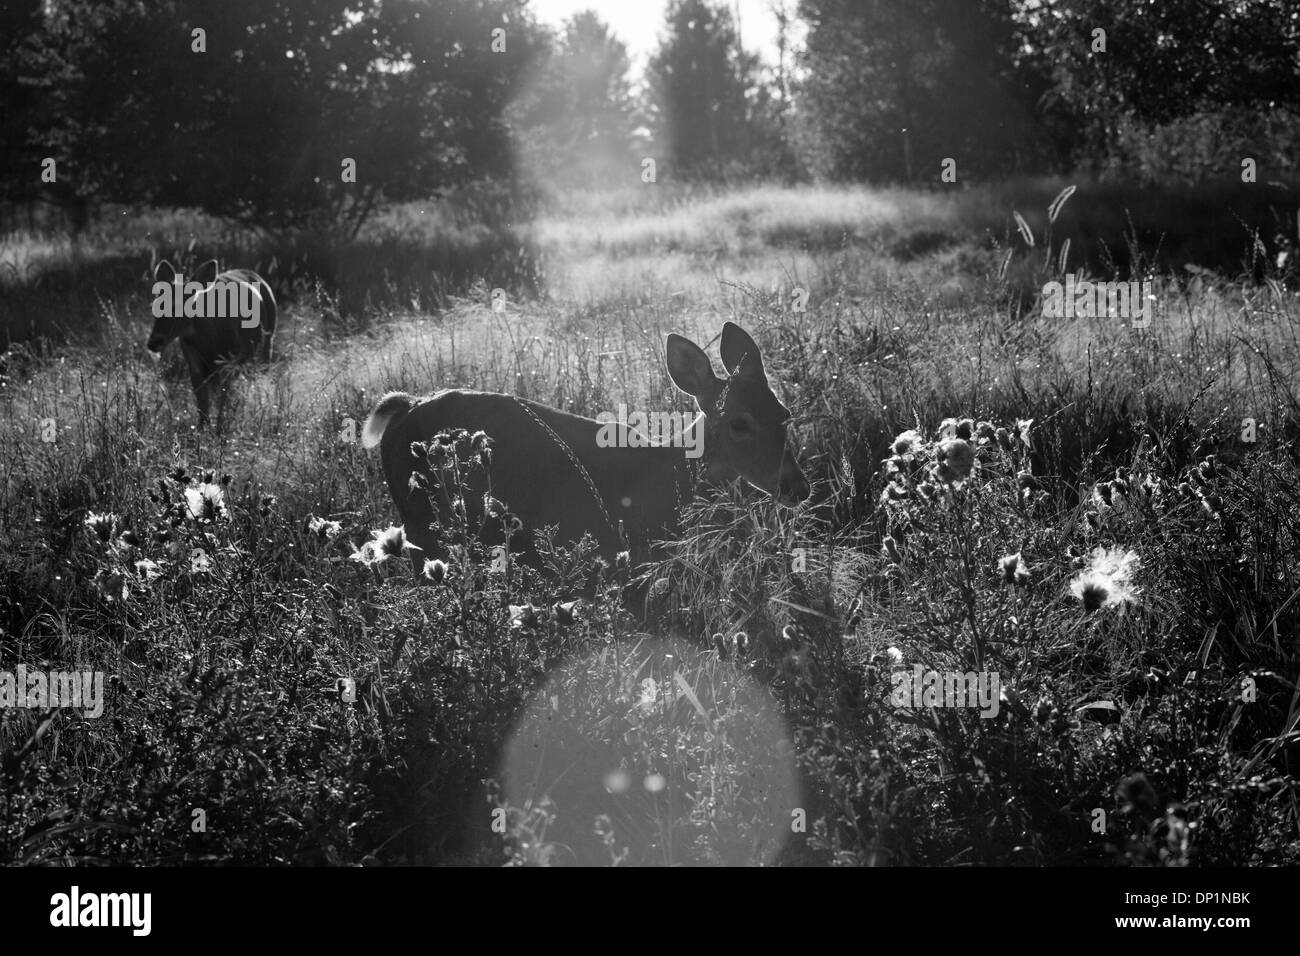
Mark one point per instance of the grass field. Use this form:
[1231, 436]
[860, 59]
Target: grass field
[1114, 551]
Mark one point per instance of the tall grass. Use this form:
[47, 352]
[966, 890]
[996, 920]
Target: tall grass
[749, 719]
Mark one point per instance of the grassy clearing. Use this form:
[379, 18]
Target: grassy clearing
[605, 740]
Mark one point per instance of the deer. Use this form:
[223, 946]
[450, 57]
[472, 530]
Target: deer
[549, 467]
[214, 345]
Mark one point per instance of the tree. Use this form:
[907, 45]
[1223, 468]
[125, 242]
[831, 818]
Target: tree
[893, 87]
[575, 116]
[703, 87]
[1167, 61]
[257, 124]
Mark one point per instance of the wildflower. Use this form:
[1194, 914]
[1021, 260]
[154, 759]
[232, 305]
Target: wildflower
[649, 692]
[435, 570]
[523, 615]
[958, 458]
[493, 507]
[564, 613]
[1106, 580]
[102, 525]
[128, 539]
[1004, 439]
[947, 429]
[1014, 569]
[111, 585]
[907, 443]
[418, 481]
[890, 549]
[148, 570]
[1092, 590]
[1028, 482]
[268, 502]
[894, 654]
[1212, 504]
[965, 429]
[328, 530]
[1022, 429]
[206, 503]
[389, 543]
[985, 431]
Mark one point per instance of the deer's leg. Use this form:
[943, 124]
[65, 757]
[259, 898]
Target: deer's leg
[200, 379]
[221, 380]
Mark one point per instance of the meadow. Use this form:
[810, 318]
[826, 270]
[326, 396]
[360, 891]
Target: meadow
[1104, 516]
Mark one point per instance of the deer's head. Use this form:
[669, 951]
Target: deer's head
[744, 422]
[169, 327]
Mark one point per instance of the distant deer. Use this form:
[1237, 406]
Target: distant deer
[214, 345]
[548, 468]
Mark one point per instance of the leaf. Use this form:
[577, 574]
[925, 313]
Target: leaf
[690, 695]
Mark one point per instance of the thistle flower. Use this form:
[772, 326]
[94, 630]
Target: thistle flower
[958, 458]
[328, 530]
[965, 429]
[890, 549]
[1106, 581]
[1004, 439]
[1014, 569]
[523, 615]
[985, 431]
[111, 585]
[907, 443]
[389, 543]
[148, 570]
[1022, 429]
[948, 429]
[435, 570]
[206, 503]
[102, 525]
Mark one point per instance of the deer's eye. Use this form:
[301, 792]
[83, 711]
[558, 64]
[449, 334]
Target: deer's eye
[739, 427]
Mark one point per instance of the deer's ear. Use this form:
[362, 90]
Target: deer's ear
[163, 271]
[740, 354]
[690, 369]
[207, 272]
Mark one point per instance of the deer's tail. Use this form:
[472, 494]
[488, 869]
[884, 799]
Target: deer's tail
[392, 406]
